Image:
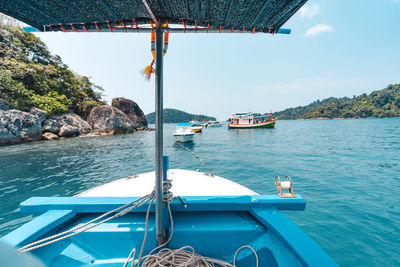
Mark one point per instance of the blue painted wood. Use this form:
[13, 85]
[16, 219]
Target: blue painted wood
[32, 230]
[284, 31]
[165, 167]
[29, 29]
[194, 203]
[229, 221]
[310, 253]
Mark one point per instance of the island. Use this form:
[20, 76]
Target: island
[383, 103]
[175, 116]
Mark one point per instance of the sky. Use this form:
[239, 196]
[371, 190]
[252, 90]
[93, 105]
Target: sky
[336, 48]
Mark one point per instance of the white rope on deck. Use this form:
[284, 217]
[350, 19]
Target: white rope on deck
[184, 256]
[165, 257]
[41, 243]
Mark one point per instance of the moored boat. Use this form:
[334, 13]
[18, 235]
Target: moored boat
[183, 133]
[214, 124]
[197, 127]
[249, 120]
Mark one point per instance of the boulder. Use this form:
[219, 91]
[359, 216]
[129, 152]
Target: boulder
[52, 125]
[49, 136]
[6, 136]
[106, 119]
[17, 126]
[84, 110]
[41, 115]
[73, 119]
[69, 131]
[131, 109]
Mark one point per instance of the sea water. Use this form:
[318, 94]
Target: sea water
[348, 171]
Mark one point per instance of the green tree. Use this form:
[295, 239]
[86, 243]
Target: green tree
[31, 76]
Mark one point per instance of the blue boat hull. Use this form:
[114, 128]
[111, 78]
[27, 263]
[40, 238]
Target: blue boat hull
[214, 226]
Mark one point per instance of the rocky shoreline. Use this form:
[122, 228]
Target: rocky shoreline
[123, 116]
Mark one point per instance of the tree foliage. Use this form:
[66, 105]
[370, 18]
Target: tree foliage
[383, 103]
[174, 116]
[30, 76]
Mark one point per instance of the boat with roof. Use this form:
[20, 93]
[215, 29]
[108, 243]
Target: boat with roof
[183, 132]
[164, 217]
[250, 120]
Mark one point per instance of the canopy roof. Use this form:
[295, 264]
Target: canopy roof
[262, 116]
[130, 15]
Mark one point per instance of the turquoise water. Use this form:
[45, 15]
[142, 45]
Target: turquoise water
[347, 170]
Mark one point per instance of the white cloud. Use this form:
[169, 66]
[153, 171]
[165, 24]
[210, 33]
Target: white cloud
[318, 29]
[309, 11]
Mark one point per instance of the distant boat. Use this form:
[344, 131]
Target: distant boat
[197, 127]
[214, 123]
[183, 133]
[249, 120]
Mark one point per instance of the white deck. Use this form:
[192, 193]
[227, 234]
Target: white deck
[184, 183]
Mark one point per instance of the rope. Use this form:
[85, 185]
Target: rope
[129, 257]
[150, 12]
[184, 256]
[203, 163]
[245, 246]
[53, 238]
[145, 232]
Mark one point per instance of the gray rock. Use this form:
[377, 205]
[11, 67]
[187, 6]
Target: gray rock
[4, 105]
[73, 119]
[7, 137]
[83, 110]
[40, 114]
[106, 118]
[52, 125]
[131, 109]
[17, 126]
[49, 136]
[68, 131]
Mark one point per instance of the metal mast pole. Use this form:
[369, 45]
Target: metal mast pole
[159, 135]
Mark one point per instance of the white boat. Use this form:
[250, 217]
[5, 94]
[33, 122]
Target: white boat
[214, 123]
[183, 133]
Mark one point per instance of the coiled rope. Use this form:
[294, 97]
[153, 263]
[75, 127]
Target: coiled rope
[184, 256]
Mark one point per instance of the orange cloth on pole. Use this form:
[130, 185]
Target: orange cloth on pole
[149, 69]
